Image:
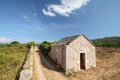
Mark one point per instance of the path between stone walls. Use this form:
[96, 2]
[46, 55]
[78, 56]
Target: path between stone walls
[33, 69]
[45, 69]
[50, 69]
[38, 72]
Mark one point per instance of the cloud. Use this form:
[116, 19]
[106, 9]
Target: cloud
[25, 17]
[35, 14]
[2, 39]
[48, 13]
[66, 8]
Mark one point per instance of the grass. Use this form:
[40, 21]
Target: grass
[106, 53]
[11, 60]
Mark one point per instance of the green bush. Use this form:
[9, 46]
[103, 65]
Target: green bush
[32, 43]
[45, 47]
[14, 43]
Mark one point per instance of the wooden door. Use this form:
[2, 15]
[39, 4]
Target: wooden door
[82, 60]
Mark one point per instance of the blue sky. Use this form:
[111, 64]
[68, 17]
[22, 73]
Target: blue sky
[39, 20]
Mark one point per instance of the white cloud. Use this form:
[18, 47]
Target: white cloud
[48, 13]
[35, 14]
[66, 8]
[25, 17]
[2, 39]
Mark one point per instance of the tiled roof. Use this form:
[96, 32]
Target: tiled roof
[65, 41]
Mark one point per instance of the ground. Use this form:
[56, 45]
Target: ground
[38, 72]
[108, 67]
[46, 69]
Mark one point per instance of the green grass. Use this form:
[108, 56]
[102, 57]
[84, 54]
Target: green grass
[11, 60]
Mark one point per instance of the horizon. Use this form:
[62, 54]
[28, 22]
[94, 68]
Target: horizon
[51, 20]
[57, 40]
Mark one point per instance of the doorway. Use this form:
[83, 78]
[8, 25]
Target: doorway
[82, 61]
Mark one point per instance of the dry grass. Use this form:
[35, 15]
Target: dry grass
[108, 66]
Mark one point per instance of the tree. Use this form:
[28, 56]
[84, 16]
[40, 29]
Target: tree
[45, 47]
[32, 43]
[14, 43]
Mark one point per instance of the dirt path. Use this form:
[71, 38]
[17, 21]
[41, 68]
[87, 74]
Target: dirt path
[49, 68]
[45, 69]
[38, 72]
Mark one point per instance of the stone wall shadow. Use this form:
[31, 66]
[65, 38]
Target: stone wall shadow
[48, 63]
[21, 68]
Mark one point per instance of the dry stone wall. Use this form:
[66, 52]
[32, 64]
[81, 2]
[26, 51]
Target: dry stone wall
[27, 72]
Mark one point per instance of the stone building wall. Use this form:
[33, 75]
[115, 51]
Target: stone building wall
[68, 56]
[72, 59]
[56, 54]
[80, 45]
[63, 57]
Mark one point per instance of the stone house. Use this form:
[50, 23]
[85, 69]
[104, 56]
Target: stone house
[74, 53]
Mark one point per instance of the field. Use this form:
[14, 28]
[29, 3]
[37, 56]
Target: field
[11, 60]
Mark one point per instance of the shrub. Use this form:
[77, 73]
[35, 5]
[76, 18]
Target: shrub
[14, 43]
[45, 47]
[32, 43]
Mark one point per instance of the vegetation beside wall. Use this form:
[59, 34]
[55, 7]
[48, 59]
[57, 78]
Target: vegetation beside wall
[45, 47]
[32, 43]
[11, 59]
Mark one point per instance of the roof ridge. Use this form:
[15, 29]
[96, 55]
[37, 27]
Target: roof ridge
[65, 40]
